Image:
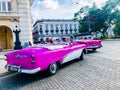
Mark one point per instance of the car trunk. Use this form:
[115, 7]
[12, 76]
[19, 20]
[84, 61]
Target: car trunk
[91, 42]
[23, 57]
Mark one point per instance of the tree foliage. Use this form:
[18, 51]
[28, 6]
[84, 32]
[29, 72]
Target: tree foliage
[117, 22]
[99, 19]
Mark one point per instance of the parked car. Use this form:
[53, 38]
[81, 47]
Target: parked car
[47, 57]
[91, 44]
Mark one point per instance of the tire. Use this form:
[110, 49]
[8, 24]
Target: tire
[85, 51]
[81, 56]
[53, 68]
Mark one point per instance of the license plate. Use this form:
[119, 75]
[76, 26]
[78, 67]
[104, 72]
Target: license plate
[94, 44]
[13, 68]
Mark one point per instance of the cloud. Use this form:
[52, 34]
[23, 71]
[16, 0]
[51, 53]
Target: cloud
[54, 9]
[99, 3]
[59, 9]
[48, 4]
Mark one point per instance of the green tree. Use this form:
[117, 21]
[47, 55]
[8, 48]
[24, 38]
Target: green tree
[79, 16]
[100, 18]
[116, 14]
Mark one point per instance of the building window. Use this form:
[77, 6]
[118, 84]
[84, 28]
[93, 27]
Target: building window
[61, 26]
[41, 29]
[46, 29]
[61, 29]
[40, 26]
[56, 26]
[52, 29]
[75, 26]
[0, 6]
[66, 28]
[5, 5]
[9, 6]
[71, 28]
[57, 29]
[51, 26]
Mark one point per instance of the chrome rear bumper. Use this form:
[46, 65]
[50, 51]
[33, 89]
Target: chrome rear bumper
[91, 47]
[21, 70]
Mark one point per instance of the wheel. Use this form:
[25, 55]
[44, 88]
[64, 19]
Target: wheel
[53, 68]
[81, 56]
[85, 51]
[94, 49]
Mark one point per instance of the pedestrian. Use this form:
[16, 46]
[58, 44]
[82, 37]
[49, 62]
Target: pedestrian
[0, 48]
[30, 44]
[42, 41]
[26, 44]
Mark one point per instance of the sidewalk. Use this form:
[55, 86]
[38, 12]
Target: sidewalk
[2, 62]
[117, 39]
[2, 67]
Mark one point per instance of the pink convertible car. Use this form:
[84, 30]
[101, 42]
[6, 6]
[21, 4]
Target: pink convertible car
[48, 57]
[91, 44]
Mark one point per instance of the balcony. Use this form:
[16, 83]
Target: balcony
[9, 15]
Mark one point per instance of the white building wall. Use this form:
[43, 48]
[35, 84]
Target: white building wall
[25, 21]
[54, 23]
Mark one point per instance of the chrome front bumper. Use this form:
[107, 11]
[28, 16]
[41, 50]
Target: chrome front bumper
[21, 70]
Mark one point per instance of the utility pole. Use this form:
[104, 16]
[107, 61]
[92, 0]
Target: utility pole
[89, 27]
[89, 22]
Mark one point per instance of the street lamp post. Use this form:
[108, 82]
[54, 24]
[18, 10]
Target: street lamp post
[17, 42]
[89, 22]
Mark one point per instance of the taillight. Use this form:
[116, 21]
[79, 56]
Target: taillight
[33, 59]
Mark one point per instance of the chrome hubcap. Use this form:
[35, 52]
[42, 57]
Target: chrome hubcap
[53, 68]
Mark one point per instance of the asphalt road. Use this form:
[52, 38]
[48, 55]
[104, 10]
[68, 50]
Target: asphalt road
[99, 70]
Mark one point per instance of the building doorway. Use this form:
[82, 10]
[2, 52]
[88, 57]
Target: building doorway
[6, 38]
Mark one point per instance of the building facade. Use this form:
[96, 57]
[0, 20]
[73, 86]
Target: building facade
[15, 13]
[52, 28]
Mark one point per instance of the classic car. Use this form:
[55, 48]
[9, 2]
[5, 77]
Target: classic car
[91, 44]
[47, 57]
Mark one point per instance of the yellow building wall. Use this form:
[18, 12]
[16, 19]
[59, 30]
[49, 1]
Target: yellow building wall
[6, 39]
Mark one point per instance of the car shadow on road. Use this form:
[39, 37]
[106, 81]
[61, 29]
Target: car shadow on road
[16, 81]
[92, 52]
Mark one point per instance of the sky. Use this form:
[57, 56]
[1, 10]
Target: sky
[59, 9]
